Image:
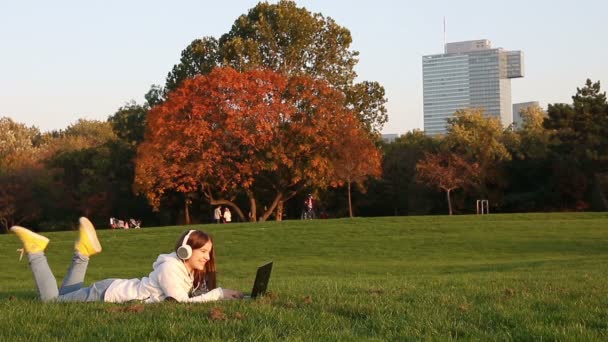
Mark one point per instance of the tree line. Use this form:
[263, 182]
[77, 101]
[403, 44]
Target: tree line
[269, 113]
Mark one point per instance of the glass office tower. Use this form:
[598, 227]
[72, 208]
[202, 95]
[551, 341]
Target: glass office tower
[469, 74]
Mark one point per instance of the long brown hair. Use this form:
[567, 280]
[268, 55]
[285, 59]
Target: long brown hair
[197, 240]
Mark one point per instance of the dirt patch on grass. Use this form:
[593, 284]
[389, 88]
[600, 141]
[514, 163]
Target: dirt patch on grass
[464, 307]
[216, 314]
[375, 292]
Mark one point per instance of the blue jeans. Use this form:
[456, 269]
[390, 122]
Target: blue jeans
[72, 289]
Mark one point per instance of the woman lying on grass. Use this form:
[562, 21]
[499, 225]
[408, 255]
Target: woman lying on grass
[186, 275]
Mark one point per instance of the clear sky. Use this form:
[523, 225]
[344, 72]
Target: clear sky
[64, 60]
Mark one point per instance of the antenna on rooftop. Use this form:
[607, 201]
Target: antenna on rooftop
[444, 37]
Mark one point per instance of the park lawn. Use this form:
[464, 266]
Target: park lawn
[493, 277]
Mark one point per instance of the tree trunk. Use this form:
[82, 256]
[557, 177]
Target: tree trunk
[278, 198]
[187, 202]
[447, 192]
[280, 211]
[253, 215]
[350, 205]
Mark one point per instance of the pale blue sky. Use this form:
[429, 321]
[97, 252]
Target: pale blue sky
[63, 60]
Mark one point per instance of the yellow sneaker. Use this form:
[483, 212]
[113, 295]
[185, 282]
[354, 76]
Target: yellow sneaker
[32, 242]
[87, 244]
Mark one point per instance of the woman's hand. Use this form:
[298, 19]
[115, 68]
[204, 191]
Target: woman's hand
[232, 294]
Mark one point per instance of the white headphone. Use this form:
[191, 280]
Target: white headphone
[184, 251]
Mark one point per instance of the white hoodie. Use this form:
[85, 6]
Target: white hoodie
[170, 278]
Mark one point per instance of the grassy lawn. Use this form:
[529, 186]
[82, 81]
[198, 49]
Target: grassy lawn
[496, 277]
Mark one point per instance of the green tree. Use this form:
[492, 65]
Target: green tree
[581, 129]
[534, 137]
[580, 132]
[529, 174]
[20, 201]
[199, 58]
[406, 196]
[129, 122]
[367, 100]
[154, 96]
[293, 41]
[290, 40]
[80, 160]
[479, 139]
[79, 135]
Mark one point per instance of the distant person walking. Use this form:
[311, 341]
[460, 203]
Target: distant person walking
[217, 214]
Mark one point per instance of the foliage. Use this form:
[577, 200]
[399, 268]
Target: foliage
[82, 174]
[303, 148]
[154, 96]
[294, 42]
[18, 201]
[479, 139]
[405, 196]
[80, 135]
[199, 58]
[367, 100]
[529, 175]
[92, 168]
[18, 144]
[356, 159]
[533, 135]
[203, 135]
[447, 172]
[129, 122]
[222, 132]
[290, 40]
[20, 173]
[580, 131]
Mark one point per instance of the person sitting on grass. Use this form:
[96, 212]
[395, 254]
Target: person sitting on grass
[176, 276]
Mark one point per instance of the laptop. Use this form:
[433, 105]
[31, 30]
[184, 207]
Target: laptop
[261, 280]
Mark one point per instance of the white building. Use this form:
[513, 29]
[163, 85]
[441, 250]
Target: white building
[470, 74]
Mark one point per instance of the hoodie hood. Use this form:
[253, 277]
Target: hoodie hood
[163, 258]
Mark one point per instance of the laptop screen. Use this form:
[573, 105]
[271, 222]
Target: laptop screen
[261, 280]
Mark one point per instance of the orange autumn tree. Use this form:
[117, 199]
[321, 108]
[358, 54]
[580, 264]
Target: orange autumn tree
[356, 159]
[229, 132]
[303, 149]
[446, 171]
[209, 136]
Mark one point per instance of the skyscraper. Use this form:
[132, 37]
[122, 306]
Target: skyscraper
[470, 74]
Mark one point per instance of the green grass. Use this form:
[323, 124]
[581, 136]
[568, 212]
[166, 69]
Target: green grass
[496, 277]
